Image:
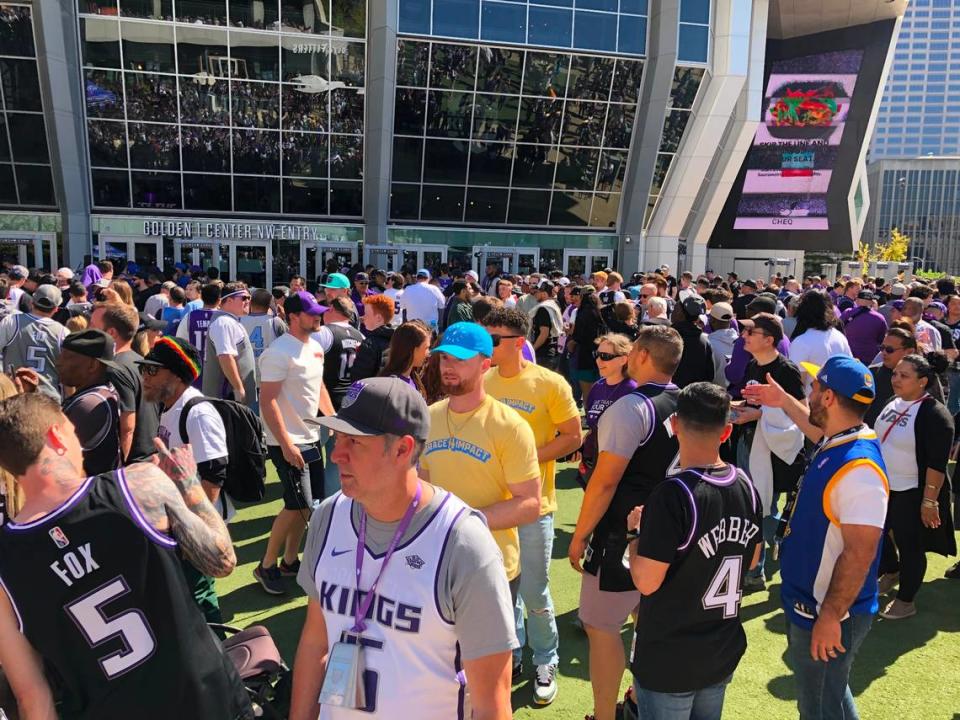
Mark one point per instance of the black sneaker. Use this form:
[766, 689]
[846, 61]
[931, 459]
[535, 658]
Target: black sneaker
[752, 584]
[953, 572]
[270, 580]
[517, 671]
[290, 570]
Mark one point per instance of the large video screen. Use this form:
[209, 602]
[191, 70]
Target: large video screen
[792, 189]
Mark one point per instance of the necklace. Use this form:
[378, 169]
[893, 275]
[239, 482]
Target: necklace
[453, 426]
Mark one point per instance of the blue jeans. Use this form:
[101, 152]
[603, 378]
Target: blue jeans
[331, 471]
[704, 704]
[823, 692]
[953, 401]
[536, 547]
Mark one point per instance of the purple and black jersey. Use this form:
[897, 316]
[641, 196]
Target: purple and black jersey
[198, 323]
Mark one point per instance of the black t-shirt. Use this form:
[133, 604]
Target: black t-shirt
[740, 303]
[786, 373]
[547, 351]
[94, 412]
[946, 335]
[126, 381]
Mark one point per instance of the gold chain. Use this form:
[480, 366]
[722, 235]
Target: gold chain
[463, 424]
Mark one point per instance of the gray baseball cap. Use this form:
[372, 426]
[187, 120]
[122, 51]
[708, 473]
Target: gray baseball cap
[380, 406]
[47, 297]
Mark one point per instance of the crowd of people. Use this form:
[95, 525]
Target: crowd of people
[416, 422]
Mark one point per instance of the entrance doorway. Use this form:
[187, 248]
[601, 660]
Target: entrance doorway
[202, 253]
[405, 258]
[585, 262]
[145, 253]
[317, 258]
[28, 249]
[252, 263]
[511, 260]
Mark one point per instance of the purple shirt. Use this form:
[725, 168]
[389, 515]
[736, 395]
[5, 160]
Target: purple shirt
[865, 330]
[600, 398]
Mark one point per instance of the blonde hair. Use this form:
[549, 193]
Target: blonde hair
[76, 323]
[123, 290]
[622, 345]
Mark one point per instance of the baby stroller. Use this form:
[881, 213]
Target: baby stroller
[265, 676]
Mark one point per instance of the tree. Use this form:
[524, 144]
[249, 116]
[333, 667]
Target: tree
[896, 250]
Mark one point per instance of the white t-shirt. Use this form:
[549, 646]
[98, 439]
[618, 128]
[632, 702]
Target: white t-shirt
[423, 301]
[299, 366]
[928, 335]
[396, 296]
[325, 337]
[816, 346]
[226, 333]
[155, 303]
[898, 443]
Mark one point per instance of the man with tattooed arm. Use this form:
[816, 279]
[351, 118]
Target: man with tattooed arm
[90, 583]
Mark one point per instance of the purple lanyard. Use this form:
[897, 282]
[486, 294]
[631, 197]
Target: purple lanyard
[363, 607]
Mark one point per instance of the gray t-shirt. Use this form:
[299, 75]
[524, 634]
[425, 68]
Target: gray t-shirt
[472, 590]
[625, 426]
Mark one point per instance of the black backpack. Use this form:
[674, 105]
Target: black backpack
[247, 450]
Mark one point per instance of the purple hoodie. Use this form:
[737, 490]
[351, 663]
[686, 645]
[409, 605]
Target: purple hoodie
[865, 330]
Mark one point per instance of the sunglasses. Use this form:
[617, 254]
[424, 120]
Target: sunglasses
[497, 338]
[753, 331]
[889, 349]
[606, 357]
[150, 370]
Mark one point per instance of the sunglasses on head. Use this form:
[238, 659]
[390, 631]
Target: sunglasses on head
[606, 357]
[497, 338]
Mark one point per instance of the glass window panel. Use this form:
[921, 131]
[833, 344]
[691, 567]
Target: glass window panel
[305, 154]
[583, 123]
[495, 117]
[8, 190]
[305, 17]
[456, 18]
[590, 77]
[154, 147]
[21, 84]
[410, 112]
[111, 188]
[4, 146]
[413, 59]
[528, 207]
[350, 18]
[101, 42]
[305, 57]
[35, 184]
[259, 14]
[638, 7]
[556, 3]
[254, 56]
[256, 152]
[595, 31]
[16, 31]
[415, 16]
[695, 11]
[632, 35]
[147, 9]
[549, 26]
[306, 197]
[108, 143]
[104, 93]
[576, 168]
[147, 47]
[571, 208]
[500, 71]
[546, 74]
[453, 66]
[206, 192]
[257, 194]
[346, 198]
[205, 149]
[619, 125]
[202, 51]
[534, 166]
[441, 202]
[255, 104]
[346, 157]
[346, 112]
[347, 63]
[404, 202]
[612, 170]
[28, 138]
[449, 113]
[407, 159]
[673, 127]
[151, 97]
[626, 81]
[504, 22]
[490, 163]
[445, 161]
[303, 110]
[686, 82]
[486, 205]
[539, 120]
[204, 100]
[660, 172]
[207, 12]
[156, 190]
[605, 5]
[694, 42]
[606, 206]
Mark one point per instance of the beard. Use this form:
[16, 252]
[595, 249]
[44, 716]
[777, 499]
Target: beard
[460, 387]
[818, 414]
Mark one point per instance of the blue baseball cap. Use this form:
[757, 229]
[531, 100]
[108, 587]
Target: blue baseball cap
[423, 272]
[846, 376]
[465, 340]
[337, 281]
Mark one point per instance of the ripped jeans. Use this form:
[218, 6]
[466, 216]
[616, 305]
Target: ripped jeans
[536, 547]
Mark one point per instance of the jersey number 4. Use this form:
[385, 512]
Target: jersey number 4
[724, 590]
[130, 626]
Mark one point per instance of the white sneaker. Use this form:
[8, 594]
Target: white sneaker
[546, 687]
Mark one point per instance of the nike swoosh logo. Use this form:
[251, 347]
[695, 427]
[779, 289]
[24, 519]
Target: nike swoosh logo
[336, 553]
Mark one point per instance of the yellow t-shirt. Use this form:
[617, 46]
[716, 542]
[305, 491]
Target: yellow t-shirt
[544, 399]
[493, 449]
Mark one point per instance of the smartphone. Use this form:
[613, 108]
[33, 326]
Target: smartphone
[310, 455]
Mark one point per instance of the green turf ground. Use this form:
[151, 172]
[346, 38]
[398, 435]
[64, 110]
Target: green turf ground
[909, 670]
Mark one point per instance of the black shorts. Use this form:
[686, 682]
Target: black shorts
[301, 488]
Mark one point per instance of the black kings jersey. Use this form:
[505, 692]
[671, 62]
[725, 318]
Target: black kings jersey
[705, 524]
[100, 595]
[338, 360]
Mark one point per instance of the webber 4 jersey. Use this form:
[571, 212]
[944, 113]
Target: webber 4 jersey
[101, 597]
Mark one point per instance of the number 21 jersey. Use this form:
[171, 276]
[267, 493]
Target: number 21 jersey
[101, 597]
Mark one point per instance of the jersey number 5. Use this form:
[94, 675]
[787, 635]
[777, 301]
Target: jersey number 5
[129, 626]
[724, 590]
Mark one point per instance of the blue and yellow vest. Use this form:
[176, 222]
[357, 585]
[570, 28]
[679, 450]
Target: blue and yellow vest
[812, 542]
